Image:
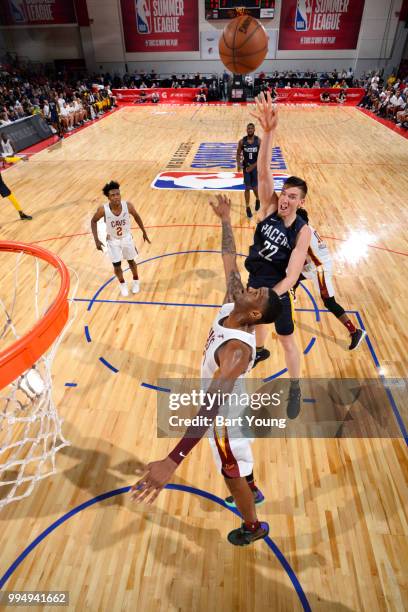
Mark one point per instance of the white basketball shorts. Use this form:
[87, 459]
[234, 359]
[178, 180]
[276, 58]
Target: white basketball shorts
[233, 456]
[121, 248]
[322, 278]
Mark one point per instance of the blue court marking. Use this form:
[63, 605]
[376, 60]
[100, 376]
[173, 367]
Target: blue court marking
[309, 346]
[99, 301]
[175, 487]
[68, 384]
[388, 391]
[95, 299]
[316, 311]
[86, 330]
[223, 155]
[102, 287]
[395, 410]
[309, 400]
[276, 375]
[108, 365]
[370, 346]
[315, 306]
[155, 387]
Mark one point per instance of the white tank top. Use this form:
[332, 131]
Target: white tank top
[7, 148]
[117, 226]
[318, 253]
[218, 336]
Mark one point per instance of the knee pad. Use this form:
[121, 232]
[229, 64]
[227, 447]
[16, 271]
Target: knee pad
[333, 307]
[117, 264]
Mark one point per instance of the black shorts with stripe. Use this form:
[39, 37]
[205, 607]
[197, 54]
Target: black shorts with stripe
[284, 324]
[4, 190]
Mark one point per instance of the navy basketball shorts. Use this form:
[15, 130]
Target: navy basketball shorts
[251, 179]
[4, 190]
[284, 324]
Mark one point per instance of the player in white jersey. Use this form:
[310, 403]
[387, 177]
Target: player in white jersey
[319, 268]
[8, 153]
[229, 354]
[119, 239]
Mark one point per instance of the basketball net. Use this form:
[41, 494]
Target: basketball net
[30, 427]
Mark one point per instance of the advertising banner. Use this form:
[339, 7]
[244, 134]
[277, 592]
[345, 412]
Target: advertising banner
[27, 132]
[36, 12]
[307, 96]
[320, 24]
[166, 94]
[160, 25]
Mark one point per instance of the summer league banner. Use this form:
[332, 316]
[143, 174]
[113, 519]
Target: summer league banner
[36, 12]
[320, 24]
[160, 25]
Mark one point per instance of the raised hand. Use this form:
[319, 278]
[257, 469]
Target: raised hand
[266, 112]
[222, 207]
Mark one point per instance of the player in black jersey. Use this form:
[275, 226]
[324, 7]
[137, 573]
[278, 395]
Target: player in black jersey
[247, 156]
[6, 193]
[280, 246]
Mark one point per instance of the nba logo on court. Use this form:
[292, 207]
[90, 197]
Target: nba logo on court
[207, 181]
[303, 10]
[17, 11]
[143, 16]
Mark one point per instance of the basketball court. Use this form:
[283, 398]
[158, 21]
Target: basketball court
[337, 508]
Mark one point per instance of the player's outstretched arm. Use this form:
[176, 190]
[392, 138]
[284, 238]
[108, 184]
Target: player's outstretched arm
[296, 261]
[139, 221]
[266, 113]
[234, 286]
[234, 360]
[98, 215]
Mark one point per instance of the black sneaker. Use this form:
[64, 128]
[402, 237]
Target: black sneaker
[24, 216]
[248, 212]
[258, 499]
[261, 356]
[356, 339]
[294, 399]
[257, 205]
[243, 537]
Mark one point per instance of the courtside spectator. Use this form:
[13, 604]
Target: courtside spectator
[201, 97]
[342, 97]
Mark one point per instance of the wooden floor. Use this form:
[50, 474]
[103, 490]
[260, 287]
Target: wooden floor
[337, 508]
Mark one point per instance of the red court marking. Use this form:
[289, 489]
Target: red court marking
[238, 227]
[389, 124]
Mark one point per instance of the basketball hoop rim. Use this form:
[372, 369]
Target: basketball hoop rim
[23, 353]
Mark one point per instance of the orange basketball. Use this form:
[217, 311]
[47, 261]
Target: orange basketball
[243, 45]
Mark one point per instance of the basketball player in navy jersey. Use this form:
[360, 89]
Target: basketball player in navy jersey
[279, 250]
[247, 156]
[229, 355]
[119, 239]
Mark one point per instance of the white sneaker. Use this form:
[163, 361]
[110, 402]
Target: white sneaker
[124, 289]
[135, 286]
